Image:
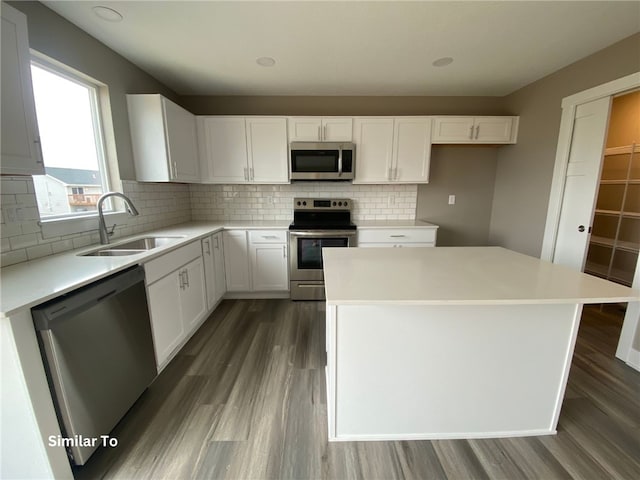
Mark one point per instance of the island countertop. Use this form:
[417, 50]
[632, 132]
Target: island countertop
[458, 276]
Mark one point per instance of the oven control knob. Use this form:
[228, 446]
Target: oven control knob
[339, 204]
[304, 204]
[334, 204]
[345, 204]
[299, 203]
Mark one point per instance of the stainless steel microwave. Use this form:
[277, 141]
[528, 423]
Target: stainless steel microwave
[334, 161]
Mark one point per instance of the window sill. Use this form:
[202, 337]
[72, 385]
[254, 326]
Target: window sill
[68, 226]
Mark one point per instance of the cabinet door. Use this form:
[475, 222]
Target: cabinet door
[218, 263]
[302, 129]
[166, 321]
[193, 298]
[411, 150]
[453, 130]
[209, 271]
[224, 149]
[267, 149]
[337, 129]
[180, 131]
[493, 129]
[269, 267]
[374, 141]
[236, 261]
[21, 153]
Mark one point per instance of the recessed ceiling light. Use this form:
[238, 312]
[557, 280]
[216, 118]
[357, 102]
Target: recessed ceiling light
[266, 61]
[108, 14]
[442, 62]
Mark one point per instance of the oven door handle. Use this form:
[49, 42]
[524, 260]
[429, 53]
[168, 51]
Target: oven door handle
[324, 233]
[340, 161]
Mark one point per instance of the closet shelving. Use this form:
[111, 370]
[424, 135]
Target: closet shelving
[615, 238]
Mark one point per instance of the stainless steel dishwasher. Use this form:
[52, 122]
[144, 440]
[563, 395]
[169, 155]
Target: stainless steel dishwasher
[97, 349]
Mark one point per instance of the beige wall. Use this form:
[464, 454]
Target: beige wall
[524, 171]
[350, 106]
[469, 174]
[56, 37]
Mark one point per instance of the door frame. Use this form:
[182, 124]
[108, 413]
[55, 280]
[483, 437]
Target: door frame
[625, 351]
[569, 105]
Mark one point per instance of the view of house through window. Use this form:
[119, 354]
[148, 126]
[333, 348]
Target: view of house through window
[72, 143]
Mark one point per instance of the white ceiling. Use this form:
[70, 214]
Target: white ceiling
[354, 47]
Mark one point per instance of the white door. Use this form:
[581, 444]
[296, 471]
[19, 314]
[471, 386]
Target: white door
[193, 298]
[453, 129]
[166, 321]
[267, 149]
[412, 149]
[209, 271]
[269, 267]
[581, 184]
[337, 129]
[374, 149]
[493, 129]
[236, 261]
[182, 143]
[303, 129]
[218, 264]
[224, 145]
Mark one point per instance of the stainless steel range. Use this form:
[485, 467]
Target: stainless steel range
[317, 223]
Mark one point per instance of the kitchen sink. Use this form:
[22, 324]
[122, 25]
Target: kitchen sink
[132, 247]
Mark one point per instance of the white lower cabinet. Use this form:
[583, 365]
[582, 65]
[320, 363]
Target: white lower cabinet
[213, 256]
[397, 237]
[256, 260]
[176, 297]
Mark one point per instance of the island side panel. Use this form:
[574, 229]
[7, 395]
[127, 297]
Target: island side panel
[429, 372]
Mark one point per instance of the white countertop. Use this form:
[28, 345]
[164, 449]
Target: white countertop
[25, 285]
[394, 224]
[457, 276]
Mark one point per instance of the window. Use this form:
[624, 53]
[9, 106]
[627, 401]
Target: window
[73, 149]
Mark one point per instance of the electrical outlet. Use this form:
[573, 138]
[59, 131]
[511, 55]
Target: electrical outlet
[452, 199]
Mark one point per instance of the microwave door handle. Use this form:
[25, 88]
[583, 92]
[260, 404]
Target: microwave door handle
[340, 161]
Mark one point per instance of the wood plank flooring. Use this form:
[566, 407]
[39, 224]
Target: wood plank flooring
[245, 399]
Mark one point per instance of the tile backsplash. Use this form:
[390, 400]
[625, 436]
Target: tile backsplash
[275, 202]
[162, 205]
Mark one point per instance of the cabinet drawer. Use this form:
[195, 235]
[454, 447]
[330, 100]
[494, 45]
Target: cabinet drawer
[384, 235]
[267, 236]
[162, 266]
[396, 245]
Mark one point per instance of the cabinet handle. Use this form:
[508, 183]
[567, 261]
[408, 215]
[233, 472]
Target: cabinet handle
[284, 251]
[175, 170]
[208, 252]
[471, 133]
[186, 278]
[246, 175]
[217, 247]
[397, 236]
[319, 133]
[40, 155]
[389, 176]
[477, 131]
[267, 237]
[181, 279]
[324, 133]
[251, 177]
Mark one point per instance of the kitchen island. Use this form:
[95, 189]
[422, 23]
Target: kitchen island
[450, 342]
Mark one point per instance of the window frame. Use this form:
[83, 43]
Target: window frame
[81, 222]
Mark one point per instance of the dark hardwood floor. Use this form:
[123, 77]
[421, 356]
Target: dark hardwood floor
[245, 399]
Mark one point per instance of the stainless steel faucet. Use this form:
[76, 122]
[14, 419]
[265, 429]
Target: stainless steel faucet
[102, 227]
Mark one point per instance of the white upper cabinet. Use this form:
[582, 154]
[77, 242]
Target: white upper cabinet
[243, 150]
[411, 149]
[267, 149]
[374, 149]
[320, 129]
[21, 153]
[223, 149]
[163, 136]
[392, 150]
[494, 130]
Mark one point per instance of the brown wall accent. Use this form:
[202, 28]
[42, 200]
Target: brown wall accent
[624, 124]
[61, 40]
[525, 170]
[349, 106]
[468, 172]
